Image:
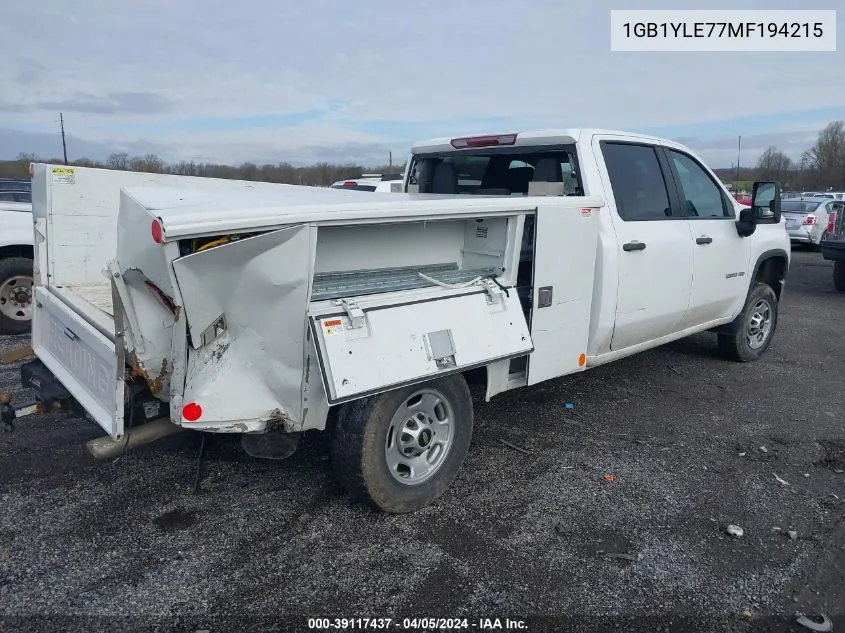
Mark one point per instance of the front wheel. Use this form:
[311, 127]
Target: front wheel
[15, 295]
[755, 328]
[839, 275]
[402, 449]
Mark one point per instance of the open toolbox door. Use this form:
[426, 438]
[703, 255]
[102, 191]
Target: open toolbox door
[563, 294]
[363, 351]
[245, 304]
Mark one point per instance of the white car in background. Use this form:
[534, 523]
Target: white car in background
[831, 195]
[372, 182]
[807, 219]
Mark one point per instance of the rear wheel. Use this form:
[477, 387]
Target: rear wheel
[755, 328]
[839, 275]
[402, 449]
[15, 295]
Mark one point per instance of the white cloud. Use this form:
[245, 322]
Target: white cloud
[119, 70]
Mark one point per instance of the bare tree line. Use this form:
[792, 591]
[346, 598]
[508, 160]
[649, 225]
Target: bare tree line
[820, 167]
[319, 174]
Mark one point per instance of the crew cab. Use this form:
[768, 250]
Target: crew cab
[273, 310]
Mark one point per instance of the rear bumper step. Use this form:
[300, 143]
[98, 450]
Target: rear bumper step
[108, 447]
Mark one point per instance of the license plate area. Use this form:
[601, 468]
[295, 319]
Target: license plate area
[82, 358]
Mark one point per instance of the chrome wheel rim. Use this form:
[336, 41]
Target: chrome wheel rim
[16, 298]
[420, 437]
[759, 324]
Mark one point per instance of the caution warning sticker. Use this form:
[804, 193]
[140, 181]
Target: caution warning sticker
[64, 176]
[332, 326]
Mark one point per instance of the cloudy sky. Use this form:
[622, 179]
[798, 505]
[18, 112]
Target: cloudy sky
[272, 80]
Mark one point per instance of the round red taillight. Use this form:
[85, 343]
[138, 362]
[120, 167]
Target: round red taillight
[192, 412]
[157, 232]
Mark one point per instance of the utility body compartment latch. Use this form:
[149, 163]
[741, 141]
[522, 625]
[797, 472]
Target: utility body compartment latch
[354, 312]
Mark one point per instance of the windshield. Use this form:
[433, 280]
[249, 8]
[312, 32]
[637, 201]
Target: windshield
[799, 206]
[496, 172]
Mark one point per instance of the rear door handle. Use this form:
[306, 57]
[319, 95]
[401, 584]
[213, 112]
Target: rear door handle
[703, 240]
[634, 246]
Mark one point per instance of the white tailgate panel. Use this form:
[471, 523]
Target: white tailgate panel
[81, 358]
[401, 344]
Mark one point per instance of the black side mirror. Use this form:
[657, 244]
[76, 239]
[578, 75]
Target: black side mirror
[765, 202]
[746, 225]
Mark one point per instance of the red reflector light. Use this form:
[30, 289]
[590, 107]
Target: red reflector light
[157, 232]
[192, 412]
[484, 141]
[809, 220]
[350, 183]
[831, 222]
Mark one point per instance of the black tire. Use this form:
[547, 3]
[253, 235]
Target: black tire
[736, 346]
[14, 267]
[359, 446]
[839, 275]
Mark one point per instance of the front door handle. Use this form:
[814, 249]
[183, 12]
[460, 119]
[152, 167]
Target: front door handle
[703, 240]
[634, 246]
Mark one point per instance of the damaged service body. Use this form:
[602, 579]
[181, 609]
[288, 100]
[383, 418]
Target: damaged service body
[228, 308]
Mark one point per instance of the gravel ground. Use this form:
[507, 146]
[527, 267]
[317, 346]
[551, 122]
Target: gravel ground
[124, 545]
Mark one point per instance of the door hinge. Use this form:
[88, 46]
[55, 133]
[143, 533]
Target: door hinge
[354, 312]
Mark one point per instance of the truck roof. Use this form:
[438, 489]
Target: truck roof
[555, 136]
[190, 211]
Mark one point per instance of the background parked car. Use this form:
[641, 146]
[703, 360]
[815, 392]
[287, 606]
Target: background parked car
[743, 198]
[807, 219]
[372, 182]
[15, 196]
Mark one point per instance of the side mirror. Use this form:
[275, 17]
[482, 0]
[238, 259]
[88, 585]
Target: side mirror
[765, 202]
[746, 225]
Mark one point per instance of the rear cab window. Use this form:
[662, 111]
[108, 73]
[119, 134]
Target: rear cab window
[497, 171]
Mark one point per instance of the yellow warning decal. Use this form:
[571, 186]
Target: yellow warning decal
[64, 175]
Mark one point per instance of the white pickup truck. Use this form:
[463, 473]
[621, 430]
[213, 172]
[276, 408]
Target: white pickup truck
[15, 267]
[238, 308]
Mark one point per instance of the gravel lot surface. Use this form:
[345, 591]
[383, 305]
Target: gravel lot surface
[693, 443]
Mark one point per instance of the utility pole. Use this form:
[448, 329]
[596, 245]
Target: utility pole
[738, 151]
[64, 144]
[390, 159]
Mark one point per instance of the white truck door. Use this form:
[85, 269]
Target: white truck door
[654, 241]
[720, 260]
[564, 261]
